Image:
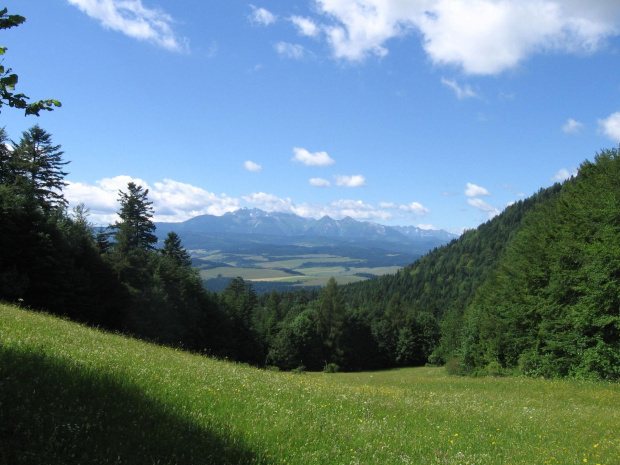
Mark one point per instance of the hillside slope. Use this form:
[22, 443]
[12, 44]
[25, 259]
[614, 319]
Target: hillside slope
[74, 395]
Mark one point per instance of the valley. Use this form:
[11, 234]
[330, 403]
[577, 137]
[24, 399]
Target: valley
[284, 251]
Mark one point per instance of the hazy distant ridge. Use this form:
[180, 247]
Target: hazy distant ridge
[256, 221]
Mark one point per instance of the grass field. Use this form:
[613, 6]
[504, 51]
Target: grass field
[74, 395]
[302, 269]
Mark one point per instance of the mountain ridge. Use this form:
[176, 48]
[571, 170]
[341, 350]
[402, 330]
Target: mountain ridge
[257, 221]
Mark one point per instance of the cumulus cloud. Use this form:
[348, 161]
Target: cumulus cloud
[572, 127]
[288, 50]
[350, 181]
[563, 175]
[481, 205]
[305, 26]
[475, 191]
[251, 166]
[478, 36]
[172, 200]
[415, 208]
[320, 182]
[175, 201]
[338, 209]
[460, 92]
[134, 20]
[610, 126]
[312, 159]
[262, 16]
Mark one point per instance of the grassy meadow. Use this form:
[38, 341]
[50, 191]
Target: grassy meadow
[74, 395]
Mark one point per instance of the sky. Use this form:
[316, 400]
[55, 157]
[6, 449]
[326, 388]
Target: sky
[432, 113]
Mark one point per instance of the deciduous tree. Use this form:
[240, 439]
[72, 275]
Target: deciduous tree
[8, 79]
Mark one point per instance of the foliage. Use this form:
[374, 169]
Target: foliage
[8, 79]
[135, 229]
[553, 308]
[331, 368]
[175, 251]
[36, 166]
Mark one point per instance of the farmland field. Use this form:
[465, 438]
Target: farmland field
[298, 270]
[71, 394]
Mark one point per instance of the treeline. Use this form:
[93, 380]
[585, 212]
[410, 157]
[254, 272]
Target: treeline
[536, 290]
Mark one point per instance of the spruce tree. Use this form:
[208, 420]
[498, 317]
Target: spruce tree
[135, 229]
[36, 168]
[174, 250]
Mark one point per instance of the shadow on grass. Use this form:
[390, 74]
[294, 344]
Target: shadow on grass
[53, 411]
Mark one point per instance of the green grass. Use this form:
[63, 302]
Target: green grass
[72, 395]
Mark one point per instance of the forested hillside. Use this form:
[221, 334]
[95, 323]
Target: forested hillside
[552, 307]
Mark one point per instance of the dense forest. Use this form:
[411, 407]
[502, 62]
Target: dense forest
[534, 291]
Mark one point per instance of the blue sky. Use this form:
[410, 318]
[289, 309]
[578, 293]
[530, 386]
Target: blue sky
[437, 113]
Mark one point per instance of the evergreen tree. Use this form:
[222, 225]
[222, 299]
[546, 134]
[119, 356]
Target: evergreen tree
[135, 229]
[175, 251]
[331, 319]
[35, 168]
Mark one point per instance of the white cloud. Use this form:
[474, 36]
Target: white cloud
[483, 206]
[262, 16]
[610, 126]
[477, 36]
[306, 26]
[475, 191]
[339, 209]
[320, 182]
[175, 201]
[269, 202]
[415, 208]
[461, 92]
[388, 205]
[563, 175]
[572, 126]
[172, 200]
[134, 20]
[287, 50]
[350, 181]
[312, 159]
[357, 210]
[251, 166]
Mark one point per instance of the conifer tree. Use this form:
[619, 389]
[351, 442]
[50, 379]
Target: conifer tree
[36, 166]
[135, 229]
[174, 250]
[331, 318]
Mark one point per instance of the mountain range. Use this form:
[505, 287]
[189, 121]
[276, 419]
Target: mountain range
[259, 223]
